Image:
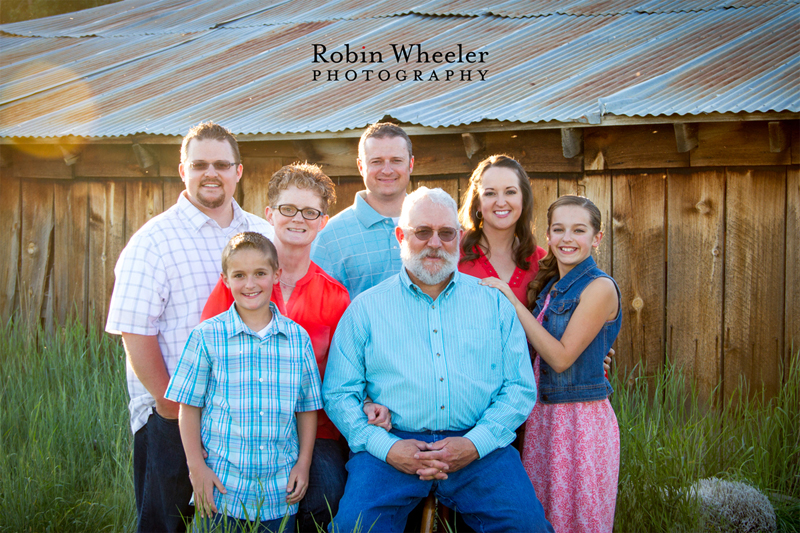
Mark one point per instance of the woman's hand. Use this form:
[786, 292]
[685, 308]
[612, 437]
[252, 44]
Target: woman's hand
[503, 287]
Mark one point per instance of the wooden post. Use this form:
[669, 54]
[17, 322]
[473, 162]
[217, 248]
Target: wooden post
[685, 136]
[777, 137]
[473, 143]
[571, 142]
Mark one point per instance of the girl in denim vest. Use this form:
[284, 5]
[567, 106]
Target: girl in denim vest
[571, 449]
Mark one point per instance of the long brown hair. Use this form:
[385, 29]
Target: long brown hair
[548, 267]
[473, 226]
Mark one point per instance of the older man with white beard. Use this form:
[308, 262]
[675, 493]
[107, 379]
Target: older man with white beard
[449, 358]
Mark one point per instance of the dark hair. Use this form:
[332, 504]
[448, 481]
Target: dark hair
[473, 226]
[548, 267]
[249, 240]
[303, 176]
[382, 130]
[213, 131]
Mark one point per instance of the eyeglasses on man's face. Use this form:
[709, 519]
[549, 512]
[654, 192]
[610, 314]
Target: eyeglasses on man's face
[219, 166]
[308, 213]
[424, 233]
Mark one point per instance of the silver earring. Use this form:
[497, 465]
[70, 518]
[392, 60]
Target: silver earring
[478, 215]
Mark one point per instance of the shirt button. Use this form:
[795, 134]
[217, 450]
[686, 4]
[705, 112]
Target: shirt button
[433, 306]
[442, 407]
[436, 331]
[261, 380]
[438, 355]
[261, 447]
[441, 379]
[261, 413]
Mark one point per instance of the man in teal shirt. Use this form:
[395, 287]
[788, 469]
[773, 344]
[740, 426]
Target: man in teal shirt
[449, 358]
[358, 247]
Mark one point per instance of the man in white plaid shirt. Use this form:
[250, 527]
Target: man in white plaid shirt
[163, 278]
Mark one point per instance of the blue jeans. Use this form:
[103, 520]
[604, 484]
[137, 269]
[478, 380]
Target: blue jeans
[221, 523]
[491, 494]
[161, 477]
[326, 479]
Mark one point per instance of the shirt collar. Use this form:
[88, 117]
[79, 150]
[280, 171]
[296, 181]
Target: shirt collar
[236, 325]
[365, 213]
[197, 219]
[563, 284]
[405, 281]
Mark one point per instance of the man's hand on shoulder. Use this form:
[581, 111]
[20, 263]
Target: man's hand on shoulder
[454, 452]
[403, 455]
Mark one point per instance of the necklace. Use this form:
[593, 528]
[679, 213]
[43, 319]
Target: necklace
[289, 284]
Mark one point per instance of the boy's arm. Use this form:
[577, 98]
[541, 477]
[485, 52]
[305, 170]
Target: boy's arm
[202, 477]
[298, 477]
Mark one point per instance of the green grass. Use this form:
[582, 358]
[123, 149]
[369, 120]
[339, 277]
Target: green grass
[669, 440]
[65, 441]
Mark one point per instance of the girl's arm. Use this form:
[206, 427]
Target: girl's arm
[598, 304]
[202, 477]
[298, 477]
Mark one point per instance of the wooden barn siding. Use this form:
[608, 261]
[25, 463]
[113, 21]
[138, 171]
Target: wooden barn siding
[705, 254]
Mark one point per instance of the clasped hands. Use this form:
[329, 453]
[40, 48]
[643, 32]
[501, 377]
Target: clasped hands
[432, 460]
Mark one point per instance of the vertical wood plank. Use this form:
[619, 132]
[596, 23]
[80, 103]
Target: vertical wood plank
[638, 251]
[11, 222]
[545, 192]
[346, 190]
[37, 230]
[144, 199]
[695, 264]
[754, 279]
[597, 188]
[447, 183]
[70, 257]
[172, 190]
[792, 327]
[255, 183]
[106, 240]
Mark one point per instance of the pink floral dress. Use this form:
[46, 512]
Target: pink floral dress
[571, 454]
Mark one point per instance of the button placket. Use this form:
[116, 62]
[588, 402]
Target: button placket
[439, 369]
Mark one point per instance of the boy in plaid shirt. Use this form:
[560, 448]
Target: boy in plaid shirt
[248, 386]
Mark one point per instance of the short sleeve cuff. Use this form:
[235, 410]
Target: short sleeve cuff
[380, 442]
[483, 440]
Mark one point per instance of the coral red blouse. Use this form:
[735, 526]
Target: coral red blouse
[317, 303]
[482, 268]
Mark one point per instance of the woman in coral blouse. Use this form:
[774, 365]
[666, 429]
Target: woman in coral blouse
[497, 217]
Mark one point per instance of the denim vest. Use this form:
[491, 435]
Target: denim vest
[585, 380]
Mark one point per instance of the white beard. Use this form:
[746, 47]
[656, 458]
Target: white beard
[413, 263]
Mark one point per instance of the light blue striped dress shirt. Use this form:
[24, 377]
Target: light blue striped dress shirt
[249, 389]
[358, 248]
[455, 363]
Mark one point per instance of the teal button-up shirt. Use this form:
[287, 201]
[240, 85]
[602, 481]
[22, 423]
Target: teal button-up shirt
[459, 362]
[358, 248]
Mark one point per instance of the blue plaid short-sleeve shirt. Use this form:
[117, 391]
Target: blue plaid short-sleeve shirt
[249, 389]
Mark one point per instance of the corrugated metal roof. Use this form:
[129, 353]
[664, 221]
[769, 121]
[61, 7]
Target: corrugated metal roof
[255, 74]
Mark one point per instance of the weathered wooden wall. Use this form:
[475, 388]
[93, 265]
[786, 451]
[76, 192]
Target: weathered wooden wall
[705, 244]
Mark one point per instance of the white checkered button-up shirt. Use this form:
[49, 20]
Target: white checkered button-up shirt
[249, 389]
[163, 278]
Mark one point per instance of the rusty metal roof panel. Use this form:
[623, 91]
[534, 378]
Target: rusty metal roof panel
[259, 79]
